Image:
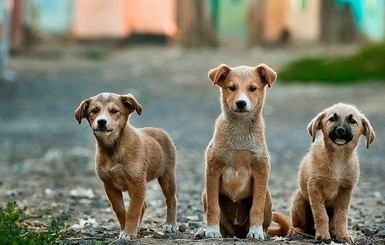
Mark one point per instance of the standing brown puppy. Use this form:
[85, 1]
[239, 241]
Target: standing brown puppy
[329, 172]
[127, 158]
[236, 199]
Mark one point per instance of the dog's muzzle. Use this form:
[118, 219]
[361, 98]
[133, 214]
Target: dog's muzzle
[341, 135]
[102, 126]
[241, 107]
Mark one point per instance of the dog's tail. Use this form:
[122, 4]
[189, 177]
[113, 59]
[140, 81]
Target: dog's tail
[284, 225]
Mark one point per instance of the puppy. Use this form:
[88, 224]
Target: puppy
[235, 198]
[329, 172]
[127, 158]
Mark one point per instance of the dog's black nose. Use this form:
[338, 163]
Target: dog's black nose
[102, 122]
[241, 104]
[341, 131]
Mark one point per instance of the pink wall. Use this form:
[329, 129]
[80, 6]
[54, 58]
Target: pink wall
[120, 18]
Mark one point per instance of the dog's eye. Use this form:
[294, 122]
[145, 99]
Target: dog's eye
[113, 111]
[352, 121]
[232, 87]
[253, 88]
[95, 110]
[333, 118]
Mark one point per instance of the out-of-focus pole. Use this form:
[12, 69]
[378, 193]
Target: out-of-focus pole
[5, 73]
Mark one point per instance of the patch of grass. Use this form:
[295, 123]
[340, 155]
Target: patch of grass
[367, 64]
[14, 230]
[96, 54]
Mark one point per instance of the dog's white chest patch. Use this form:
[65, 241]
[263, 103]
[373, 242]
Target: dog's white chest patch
[339, 171]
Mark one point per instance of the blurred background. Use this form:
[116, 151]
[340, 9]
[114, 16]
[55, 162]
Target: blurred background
[54, 54]
[193, 23]
[233, 24]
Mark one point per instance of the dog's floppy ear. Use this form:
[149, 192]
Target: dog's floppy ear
[368, 131]
[130, 101]
[218, 75]
[267, 74]
[315, 125]
[81, 111]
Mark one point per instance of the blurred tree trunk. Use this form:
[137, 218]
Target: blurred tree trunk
[255, 21]
[337, 23]
[17, 28]
[194, 23]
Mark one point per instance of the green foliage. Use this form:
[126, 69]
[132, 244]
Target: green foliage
[14, 231]
[96, 54]
[367, 64]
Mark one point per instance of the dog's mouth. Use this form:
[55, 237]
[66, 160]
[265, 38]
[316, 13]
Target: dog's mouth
[241, 112]
[340, 139]
[103, 130]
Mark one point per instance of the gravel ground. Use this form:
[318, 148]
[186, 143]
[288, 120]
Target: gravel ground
[46, 161]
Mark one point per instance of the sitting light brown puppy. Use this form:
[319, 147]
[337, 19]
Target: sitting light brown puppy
[329, 172]
[236, 199]
[127, 158]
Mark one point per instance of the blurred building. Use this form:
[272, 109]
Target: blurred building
[199, 22]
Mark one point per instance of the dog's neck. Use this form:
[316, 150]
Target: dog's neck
[242, 132]
[243, 122]
[341, 152]
[111, 143]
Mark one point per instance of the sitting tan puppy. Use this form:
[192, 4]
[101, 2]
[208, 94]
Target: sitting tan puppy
[127, 158]
[329, 172]
[236, 199]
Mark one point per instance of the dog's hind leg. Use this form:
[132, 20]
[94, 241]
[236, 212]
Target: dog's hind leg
[301, 216]
[229, 216]
[168, 184]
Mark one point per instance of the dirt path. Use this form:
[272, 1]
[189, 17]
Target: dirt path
[46, 162]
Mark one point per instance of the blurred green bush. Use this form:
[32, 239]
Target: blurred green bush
[367, 64]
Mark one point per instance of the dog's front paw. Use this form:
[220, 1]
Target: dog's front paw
[213, 231]
[123, 238]
[345, 239]
[209, 232]
[323, 236]
[256, 232]
[168, 228]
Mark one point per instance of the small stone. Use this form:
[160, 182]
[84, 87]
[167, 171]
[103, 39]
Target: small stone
[135, 243]
[358, 227]
[183, 228]
[377, 195]
[193, 217]
[369, 231]
[380, 202]
[159, 235]
[145, 232]
[349, 221]
[83, 242]
[380, 234]
[82, 193]
[194, 225]
[296, 237]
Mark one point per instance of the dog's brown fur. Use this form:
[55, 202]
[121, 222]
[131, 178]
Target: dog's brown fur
[329, 172]
[127, 158]
[236, 199]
